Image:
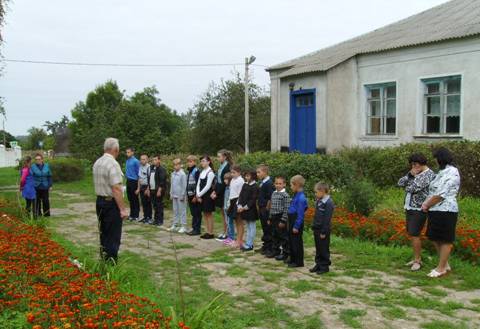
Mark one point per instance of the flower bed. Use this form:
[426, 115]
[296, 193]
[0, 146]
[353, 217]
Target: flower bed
[37, 278]
[386, 227]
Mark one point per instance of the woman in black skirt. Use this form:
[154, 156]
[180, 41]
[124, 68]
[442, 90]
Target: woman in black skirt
[205, 187]
[442, 208]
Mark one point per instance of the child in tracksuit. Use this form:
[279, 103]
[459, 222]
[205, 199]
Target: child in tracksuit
[296, 215]
[280, 203]
[194, 205]
[178, 191]
[247, 208]
[227, 178]
[321, 228]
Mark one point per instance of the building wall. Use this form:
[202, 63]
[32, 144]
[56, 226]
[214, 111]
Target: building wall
[341, 102]
[407, 67]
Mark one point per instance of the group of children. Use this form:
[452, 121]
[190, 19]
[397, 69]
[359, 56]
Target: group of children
[242, 201]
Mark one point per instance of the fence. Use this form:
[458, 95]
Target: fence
[9, 157]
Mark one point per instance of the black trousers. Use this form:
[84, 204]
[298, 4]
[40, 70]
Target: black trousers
[42, 203]
[322, 250]
[296, 242]
[132, 186]
[196, 212]
[110, 227]
[157, 204]
[146, 203]
[280, 242]
[264, 215]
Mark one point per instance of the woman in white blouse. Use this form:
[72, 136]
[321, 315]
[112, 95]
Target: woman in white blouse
[442, 207]
[205, 187]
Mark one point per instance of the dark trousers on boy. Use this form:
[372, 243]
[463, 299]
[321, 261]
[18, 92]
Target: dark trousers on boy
[132, 186]
[264, 215]
[42, 203]
[146, 203]
[196, 212]
[296, 242]
[110, 226]
[157, 203]
[322, 251]
[280, 244]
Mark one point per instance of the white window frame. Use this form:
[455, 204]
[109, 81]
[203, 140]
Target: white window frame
[383, 108]
[443, 94]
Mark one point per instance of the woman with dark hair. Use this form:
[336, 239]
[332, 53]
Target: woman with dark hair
[205, 187]
[43, 184]
[416, 183]
[226, 160]
[442, 208]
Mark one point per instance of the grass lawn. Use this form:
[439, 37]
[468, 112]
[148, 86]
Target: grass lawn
[368, 286]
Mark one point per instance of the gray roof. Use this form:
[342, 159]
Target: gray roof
[452, 20]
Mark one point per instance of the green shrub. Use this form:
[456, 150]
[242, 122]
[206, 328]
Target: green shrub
[67, 170]
[361, 197]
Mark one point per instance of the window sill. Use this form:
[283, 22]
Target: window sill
[379, 138]
[438, 136]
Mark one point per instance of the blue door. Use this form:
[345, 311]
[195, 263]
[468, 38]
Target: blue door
[303, 121]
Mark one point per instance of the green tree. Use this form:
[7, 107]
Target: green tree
[141, 121]
[36, 136]
[217, 120]
[60, 133]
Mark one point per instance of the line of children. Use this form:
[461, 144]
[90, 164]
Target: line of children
[243, 203]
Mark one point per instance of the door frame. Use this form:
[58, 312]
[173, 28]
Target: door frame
[292, 115]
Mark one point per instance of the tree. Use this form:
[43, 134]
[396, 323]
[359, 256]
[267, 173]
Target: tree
[37, 139]
[60, 133]
[141, 121]
[217, 120]
[2, 16]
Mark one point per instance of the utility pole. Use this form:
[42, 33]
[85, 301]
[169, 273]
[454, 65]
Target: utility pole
[248, 61]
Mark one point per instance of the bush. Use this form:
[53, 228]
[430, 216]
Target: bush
[361, 197]
[67, 170]
[384, 166]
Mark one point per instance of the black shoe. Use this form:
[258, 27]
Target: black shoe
[272, 254]
[293, 265]
[314, 269]
[246, 248]
[323, 271]
[207, 236]
[192, 233]
[281, 257]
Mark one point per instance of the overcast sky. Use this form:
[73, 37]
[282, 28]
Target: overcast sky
[164, 32]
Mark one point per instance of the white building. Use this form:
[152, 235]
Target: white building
[414, 80]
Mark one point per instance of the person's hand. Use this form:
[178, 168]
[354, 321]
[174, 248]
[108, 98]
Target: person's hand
[322, 236]
[194, 199]
[147, 192]
[424, 207]
[159, 192]
[124, 213]
[199, 200]
[240, 209]
[281, 225]
[137, 191]
[269, 222]
[213, 195]
[295, 231]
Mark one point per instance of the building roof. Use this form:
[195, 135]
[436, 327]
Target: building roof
[452, 20]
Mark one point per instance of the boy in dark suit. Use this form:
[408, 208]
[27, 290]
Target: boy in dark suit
[264, 196]
[321, 228]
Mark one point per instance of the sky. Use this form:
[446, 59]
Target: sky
[161, 32]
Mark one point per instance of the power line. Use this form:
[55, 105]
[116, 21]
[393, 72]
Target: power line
[25, 61]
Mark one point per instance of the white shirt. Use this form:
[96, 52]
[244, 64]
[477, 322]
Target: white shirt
[446, 185]
[208, 173]
[236, 185]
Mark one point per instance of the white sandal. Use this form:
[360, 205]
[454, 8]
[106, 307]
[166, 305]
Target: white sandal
[416, 265]
[435, 274]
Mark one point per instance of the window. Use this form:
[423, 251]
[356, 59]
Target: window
[382, 109]
[304, 100]
[442, 105]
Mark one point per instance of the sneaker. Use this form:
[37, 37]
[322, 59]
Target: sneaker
[221, 236]
[172, 229]
[246, 248]
[227, 241]
[182, 230]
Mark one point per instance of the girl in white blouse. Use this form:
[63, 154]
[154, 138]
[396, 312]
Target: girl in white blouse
[205, 187]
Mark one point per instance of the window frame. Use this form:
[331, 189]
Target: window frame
[443, 94]
[383, 99]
